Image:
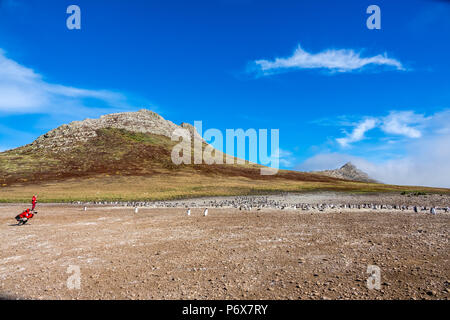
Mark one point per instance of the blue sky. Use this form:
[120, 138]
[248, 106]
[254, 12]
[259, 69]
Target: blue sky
[336, 90]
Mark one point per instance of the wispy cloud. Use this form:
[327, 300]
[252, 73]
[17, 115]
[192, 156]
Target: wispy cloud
[358, 133]
[403, 123]
[398, 123]
[425, 163]
[412, 150]
[282, 157]
[22, 90]
[286, 158]
[341, 60]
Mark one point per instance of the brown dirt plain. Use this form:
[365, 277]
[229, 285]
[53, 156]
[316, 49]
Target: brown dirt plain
[230, 254]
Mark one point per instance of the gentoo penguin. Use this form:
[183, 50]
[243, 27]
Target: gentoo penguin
[188, 212]
[205, 213]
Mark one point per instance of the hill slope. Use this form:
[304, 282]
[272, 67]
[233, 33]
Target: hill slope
[127, 156]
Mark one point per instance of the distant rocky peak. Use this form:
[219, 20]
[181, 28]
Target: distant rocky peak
[350, 166]
[348, 172]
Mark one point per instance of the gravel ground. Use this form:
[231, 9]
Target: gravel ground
[230, 254]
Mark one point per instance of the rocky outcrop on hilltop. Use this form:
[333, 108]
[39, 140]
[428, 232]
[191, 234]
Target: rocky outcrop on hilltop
[348, 172]
[142, 121]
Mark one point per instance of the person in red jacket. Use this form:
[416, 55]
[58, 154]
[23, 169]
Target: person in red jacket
[29, 214]
[33, 202]
[25, 216]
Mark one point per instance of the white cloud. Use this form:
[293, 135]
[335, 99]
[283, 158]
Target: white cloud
[22, 90]
[424, 164]
[421, 157]
[282, 157]
[286, 158]
[358, 133]
[399, 123]
[343, 60]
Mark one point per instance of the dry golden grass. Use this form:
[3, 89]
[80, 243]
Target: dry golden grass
[123, 165]
[172, 185]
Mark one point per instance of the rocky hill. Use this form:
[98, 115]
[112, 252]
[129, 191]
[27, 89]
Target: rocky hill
[349, 172]
[127, 157]
[143, 121]
[121, 144]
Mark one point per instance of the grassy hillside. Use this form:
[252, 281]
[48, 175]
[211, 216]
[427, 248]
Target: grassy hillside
[113, 150]
[180, 185]
[123, 165]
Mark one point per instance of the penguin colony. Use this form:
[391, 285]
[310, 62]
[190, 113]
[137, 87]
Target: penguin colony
[258, 203]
